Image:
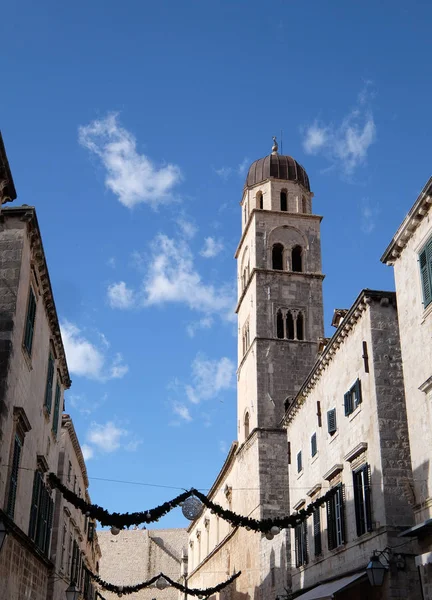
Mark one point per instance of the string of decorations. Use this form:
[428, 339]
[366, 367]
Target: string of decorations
[161, 581]
[192, 503]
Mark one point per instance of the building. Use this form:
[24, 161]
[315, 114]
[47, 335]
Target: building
[280, 319]
[410, 253]
[347, 430]
[137, 555]
[33, 431]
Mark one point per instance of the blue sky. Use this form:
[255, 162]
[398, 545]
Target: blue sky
[130, 127]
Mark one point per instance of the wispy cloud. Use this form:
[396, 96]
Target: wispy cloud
[211, 247]
[106, 438]
[369, 216]
[187, 228]
[223, 447]
[210, 378]
[345, 144]
[182, 411]
[86, 359]
[81, 403]
[120, 296]
[131, 176]
[204, 323]
[87, 451]
[226, 172]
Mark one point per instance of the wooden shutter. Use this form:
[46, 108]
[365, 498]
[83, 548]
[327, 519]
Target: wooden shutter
[331, 533]
[317, 532]
[331, 420]
[289, 453]
[297, 536]
[42, 520]
[313, 444]
[368, 498]
[299, 462]
[34, 510]
[348, 404]
[425, 270]
[358, 503]
[49, 383]
[56, 410]
[30, 321]
[341, 496]
[13, 481]
[305, 543]
[358, 394]
[49, 520]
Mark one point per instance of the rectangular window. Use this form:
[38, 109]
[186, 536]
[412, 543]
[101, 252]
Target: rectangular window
[41, 514]
[13, 481]
[90, 531]
[331, 421]
[317, 532]
[56, 409]
[300, 544]
[425, 260]
[361, 480]
[30, 321]
[314, 448]
[49, 383]
[299, 462]
[352, 398]
[335, 519]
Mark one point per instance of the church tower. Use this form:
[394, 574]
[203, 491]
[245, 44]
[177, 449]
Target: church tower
[280, 307]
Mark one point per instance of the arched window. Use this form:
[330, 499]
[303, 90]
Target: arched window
[289, 326]
[260, 201]
[279, 325]
[246, 425]
[300, 326]
[283, 201]
[277, 257]
[296, 259]
[304, 204]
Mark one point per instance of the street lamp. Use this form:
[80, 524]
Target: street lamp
[375, 571]
[3, 534]
[72, 592]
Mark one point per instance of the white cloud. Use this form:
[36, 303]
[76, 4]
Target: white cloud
[211, 248]
[226, 172]
[182, 411]
[346, 145]
[131, 176]
[120, 296]
[369, 216]
[209, 378]
[106, 438]
[111, 262]
[243, 166]
[188, 229]
[204, 323]
[85, 359]
[87, 451]
[172, 277]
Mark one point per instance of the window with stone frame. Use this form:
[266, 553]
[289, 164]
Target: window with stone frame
[283, 201]
[352, 398]
[362, 499]
[246, 425]
[290, 324]
[297, 259]
[317, 532]
[245, 337]
[314, 448]
[278, 257]
[331, 421]
[335, 507]
[299, 462]
[260, 200]
[30, 322]
[41, 513]
[55, 422]
[21, 426]
[49, 383]
[425, 261]
[300, 544]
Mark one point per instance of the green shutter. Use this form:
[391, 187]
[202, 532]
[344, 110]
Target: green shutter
[317, 531]
[425, 270]
[37, 486]
[56, 409]
[49, 520]
[348, 404]
[299, 462]
[331, 421]
[49, 383]
[358, 396]
[313, 444]
[331, 533]
[30, 321]
[13, 482]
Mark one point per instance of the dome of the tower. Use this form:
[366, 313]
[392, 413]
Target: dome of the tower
[277, 166]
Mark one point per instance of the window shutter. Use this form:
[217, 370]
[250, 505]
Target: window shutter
[358, 394]
[341, 495]
[289, 453]
[305, 543]
[330, 524]
[50, 513]
[368, 507]
[42, 520]
[49, 383]
[425, 270]
[37, 485]
[13, 482]
[56, 410]
[296, 545]
[30, 321]
[331, 420]
[348, 405]
[299, 462]
[358, 504]
[317, 531]
[313, 444]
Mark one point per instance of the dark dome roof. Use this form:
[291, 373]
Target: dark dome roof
[276, 166]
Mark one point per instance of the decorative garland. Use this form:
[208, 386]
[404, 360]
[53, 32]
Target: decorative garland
[124, 520]
[130, 589]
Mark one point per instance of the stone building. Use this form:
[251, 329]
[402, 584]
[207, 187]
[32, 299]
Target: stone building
[280, 318]
[347, 430]
[33, 378]
[137, 555]
[410, 252]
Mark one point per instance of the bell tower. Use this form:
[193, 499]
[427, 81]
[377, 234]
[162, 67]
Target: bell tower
[280, 307]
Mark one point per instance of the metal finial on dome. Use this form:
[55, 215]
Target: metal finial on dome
[275, 146]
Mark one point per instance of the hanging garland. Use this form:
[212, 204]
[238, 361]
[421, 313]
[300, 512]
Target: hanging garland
[122, 520]
[130, 589]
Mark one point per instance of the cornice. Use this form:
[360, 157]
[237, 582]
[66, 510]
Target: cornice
[353, 315]
[413, 219]
[68, 425]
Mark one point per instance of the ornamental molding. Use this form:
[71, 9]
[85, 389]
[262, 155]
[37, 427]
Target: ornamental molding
[335, 470]
[299, 504]
[67, 424]
[314, 490]
[413, 219]
[356, 451]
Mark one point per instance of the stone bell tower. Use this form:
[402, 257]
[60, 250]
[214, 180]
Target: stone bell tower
[280, 307]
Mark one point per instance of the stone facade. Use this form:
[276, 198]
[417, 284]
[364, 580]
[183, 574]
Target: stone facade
[415, 324]
[137, 555]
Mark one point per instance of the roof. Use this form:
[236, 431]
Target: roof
[277, 166]
[7, 187]
[28, 214]
[136, 555]
[413, 219]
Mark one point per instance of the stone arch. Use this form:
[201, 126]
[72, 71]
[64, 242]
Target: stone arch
[289, 237]
[259, 200]
[284, 200]
[278, 252]
[246, 424]
[297, 259]
[245, 268]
